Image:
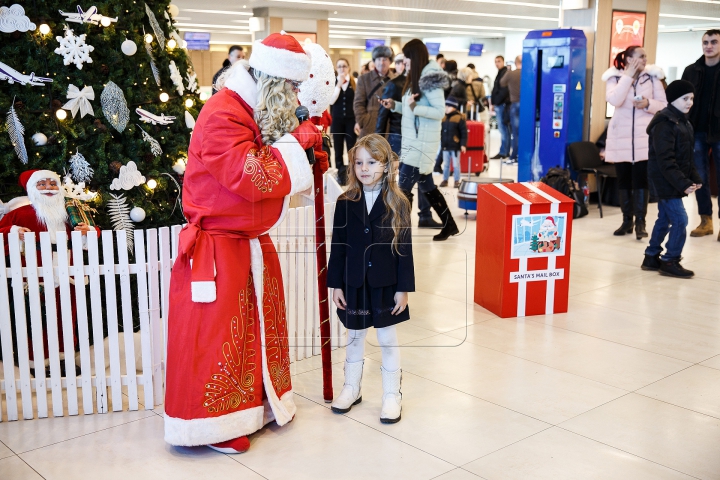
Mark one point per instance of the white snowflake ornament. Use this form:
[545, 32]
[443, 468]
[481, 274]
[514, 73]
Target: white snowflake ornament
[176, 78]
[74, 49]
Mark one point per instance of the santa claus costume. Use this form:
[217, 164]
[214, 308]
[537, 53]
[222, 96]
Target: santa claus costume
[228, 364]
[45, 213]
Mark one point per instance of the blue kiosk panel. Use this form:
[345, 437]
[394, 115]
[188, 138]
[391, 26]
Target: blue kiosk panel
[552, 99]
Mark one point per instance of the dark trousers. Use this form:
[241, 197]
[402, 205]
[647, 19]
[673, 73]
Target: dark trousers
[504, 129]
[342, 132]
[672, 219]
[632, 176]
[702, 165]
[409, 176]
[515, 124]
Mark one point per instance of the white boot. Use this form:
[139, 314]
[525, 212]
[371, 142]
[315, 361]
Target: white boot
[392, 397]
[350, 394]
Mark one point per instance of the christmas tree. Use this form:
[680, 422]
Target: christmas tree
[72, 77]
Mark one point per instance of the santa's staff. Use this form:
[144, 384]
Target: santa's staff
[315, 94]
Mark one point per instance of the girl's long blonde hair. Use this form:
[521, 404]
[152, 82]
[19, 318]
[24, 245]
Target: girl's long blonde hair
[275, 110]
[396, 203]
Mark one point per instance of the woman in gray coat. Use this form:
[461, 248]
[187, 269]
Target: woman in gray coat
[422, 109]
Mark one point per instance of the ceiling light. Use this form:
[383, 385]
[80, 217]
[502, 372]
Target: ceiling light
[352, 29]
[515, 4]
[422, 10]
[690, 17]
[449, 25]
[348, 47]
[207, 25]
[221, 12]
[403, 33]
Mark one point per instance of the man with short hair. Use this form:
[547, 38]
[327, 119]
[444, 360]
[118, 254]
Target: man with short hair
[511, 80]
[500, 99]
[369, 90]
[235, 53]
[705, 117]
[440, 59]
[388, 122]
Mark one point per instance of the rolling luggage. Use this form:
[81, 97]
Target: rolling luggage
[473, 161]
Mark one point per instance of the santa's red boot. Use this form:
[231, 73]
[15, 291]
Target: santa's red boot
[236, 445]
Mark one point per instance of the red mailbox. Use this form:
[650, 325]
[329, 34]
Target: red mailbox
[522, 261]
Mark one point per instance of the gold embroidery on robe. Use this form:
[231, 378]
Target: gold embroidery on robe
[276, 335]
[233, 384]
[265, 169]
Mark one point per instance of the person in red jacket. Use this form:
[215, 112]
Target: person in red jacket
[228, 363]
[45, 213]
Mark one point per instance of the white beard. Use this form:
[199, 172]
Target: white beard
[50, 211]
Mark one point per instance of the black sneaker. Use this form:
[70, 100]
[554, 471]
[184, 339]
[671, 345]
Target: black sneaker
[498, 157]
[672, 268]
[651, 263]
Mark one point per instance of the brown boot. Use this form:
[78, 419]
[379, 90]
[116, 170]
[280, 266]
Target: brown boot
[705, 227]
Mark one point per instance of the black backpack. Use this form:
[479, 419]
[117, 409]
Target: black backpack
[560, 180]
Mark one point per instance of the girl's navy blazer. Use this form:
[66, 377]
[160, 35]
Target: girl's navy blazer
[362, 248]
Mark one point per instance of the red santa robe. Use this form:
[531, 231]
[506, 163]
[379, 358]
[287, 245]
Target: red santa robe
[26, 217]
[228, 364]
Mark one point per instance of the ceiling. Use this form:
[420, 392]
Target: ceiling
[351, 22]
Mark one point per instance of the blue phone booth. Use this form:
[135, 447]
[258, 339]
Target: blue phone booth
[552, 99]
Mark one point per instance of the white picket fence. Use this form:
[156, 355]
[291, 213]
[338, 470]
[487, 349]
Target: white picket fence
[132, 363]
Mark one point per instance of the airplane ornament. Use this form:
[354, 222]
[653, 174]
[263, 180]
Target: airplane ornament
[148, 117]
[12, 76]
[90, 16]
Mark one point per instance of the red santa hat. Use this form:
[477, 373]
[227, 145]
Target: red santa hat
[280, 55]
[551, 219]
[29, 178]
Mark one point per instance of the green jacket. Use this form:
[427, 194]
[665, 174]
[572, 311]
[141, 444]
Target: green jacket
[422, 126]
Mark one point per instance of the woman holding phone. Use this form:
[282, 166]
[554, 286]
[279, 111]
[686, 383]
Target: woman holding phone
[636, 91]
[422, 109]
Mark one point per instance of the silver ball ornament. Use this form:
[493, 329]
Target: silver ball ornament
[137, 214]
[173, 10]
[40, 139]
[129, 48]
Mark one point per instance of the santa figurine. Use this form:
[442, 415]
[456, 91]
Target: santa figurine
[547, 235]
[45, 212]
[228, 363]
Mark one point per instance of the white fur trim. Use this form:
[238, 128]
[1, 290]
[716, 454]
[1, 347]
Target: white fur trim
[41, 174]
[203, 292]
[280, 63]
[283, 409]
[652, 70]
[241, 82]
[296, 161]
[206, 431]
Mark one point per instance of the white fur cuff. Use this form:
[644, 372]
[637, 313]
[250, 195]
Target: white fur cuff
[203, 292]
[296, 161]
[206, 431]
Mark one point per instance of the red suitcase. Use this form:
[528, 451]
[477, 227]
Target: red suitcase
[473, 161]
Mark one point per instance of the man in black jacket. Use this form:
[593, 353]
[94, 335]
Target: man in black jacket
[705, 117]
[500, 99]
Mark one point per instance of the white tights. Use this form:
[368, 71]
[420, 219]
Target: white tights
[387, 338]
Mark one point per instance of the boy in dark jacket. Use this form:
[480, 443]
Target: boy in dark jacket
[453, 140]
[672, 175]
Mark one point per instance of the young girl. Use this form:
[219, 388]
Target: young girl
[371, 269]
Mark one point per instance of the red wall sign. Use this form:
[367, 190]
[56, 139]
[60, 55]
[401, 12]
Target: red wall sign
[628, 28]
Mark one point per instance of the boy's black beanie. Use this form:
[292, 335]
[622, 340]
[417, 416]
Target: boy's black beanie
[677, 89]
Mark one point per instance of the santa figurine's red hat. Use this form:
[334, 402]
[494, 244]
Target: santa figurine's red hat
[552, 220]
[31, 177]
[280, 55]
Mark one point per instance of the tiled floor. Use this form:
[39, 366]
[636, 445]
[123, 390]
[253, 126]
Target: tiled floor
[626, 385]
